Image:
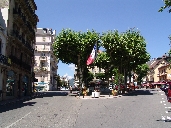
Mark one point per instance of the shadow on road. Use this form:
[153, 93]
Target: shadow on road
[12, 104]
[15, 105]
[141, 92]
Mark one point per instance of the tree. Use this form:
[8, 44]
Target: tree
[167, 4]
[141, 71]
[75, 47]
[127, 50]
[100, 76]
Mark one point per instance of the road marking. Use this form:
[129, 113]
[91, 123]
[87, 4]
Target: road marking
[18, 120]
[162, 98]
[163, 101]
[160, 101]
[165, 107]
[169, 107]
[166, 111]
[164, 104]
[162, 94]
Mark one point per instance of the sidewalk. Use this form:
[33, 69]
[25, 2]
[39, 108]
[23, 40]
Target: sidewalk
[105, 96]
[22, 99]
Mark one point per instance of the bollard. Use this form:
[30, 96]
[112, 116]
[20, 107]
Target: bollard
[94, 95]
[83, 95]
[109, 94]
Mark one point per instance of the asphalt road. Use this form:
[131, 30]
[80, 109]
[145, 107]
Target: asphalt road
[142, 109]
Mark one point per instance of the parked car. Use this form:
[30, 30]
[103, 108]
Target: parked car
[164, 87]
[169, 93]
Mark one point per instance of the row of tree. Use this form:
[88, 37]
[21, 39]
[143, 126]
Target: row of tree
[124, 52]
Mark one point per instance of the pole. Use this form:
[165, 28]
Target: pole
[79, 72]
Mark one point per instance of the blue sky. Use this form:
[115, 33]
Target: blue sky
[104, 15]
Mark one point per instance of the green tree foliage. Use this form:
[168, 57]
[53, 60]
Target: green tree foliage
[125, 47]
[167, 4]
[101, 60]
[59, 82]
[141, 71]
[69, 44]
[100, 76]
[75, 47]
[88, 76]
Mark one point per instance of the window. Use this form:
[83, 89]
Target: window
[43, 54]
[44, 39]
[42, 64]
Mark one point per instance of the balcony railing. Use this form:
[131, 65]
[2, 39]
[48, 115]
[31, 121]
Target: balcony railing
[23, 18]
[43, 58]
[5, 60]
[43, 49]
[19, 62]
[25, 43]
[40, 69]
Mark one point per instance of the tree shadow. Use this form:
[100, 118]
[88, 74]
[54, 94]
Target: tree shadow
[12, 104]
[15, 105]
[140, 92]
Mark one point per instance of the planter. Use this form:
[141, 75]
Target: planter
[95, 94]
[115, 93]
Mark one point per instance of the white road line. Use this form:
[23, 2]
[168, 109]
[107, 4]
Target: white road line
[162, 98]
[160, 101]
[169, 107]
[164, 101]
[164, 104]
[162, 94]
[18, 120]
[166, 107]
[166, 111]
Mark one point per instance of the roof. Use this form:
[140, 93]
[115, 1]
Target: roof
[44, 31]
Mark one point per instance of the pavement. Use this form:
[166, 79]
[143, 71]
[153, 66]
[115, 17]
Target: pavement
[22, 99]
[26, 98]
[145, 108]
[107, 96]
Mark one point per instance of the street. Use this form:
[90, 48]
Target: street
[141, 109]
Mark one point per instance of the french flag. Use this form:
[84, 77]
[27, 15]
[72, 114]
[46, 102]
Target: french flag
[92, 56]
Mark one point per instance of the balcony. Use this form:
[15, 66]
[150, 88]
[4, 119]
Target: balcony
[5, 60]
[20, 18]
[33, 16]
[19, 39]
[18, 15]
[19, 63]
[15, 60]
[43, 58]
[43, 49]
[40, 69]
[26, 66]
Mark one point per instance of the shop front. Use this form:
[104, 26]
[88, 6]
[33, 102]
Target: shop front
[10, 86]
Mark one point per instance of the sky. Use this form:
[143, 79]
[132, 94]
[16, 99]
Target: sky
[104, 15]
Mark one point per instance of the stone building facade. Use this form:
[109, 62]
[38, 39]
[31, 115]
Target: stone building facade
[45, 67]
[21, 22]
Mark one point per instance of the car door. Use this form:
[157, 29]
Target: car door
[169, 93]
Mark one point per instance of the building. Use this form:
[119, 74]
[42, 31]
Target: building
[164, 72]
[45, 67]
[93, 69]
[154, 66]
[21, 21]
[4, 60]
